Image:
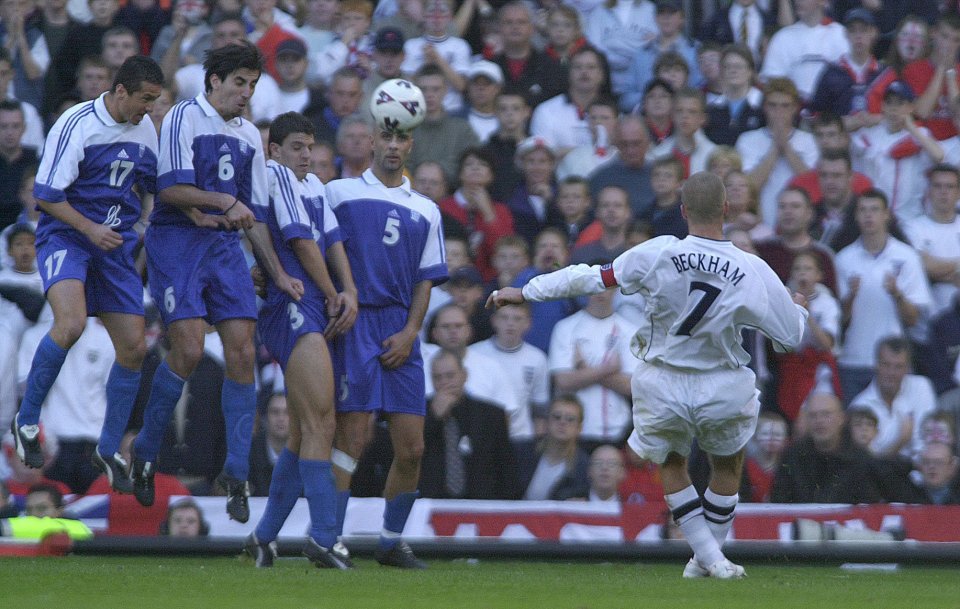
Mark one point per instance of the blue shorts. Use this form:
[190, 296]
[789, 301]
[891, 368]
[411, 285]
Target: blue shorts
[282, 322]
[363, 384]
[196, 274]
[111, 282]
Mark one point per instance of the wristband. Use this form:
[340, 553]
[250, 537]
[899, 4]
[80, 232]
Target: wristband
[235, 201]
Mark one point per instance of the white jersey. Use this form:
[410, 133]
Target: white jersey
[561, 123]
[754, 145]
[940, 240]
[455, 51]
[526, 367]
[801, 53]
[700, 293]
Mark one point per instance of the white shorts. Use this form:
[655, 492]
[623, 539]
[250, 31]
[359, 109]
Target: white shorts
[672, 407]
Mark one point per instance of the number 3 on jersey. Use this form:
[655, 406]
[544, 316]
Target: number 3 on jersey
[391, 232]
[710, 294]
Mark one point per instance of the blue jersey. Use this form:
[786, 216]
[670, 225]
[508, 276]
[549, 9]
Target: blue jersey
[393, 238]
[93, 162]
[298, 210]
[199, 148]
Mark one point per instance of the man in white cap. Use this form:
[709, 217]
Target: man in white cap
[484, 83]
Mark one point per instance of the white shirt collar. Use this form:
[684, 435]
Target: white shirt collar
[369, 178]
[100, 109]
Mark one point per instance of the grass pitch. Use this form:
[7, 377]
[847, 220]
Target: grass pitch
[174, 583]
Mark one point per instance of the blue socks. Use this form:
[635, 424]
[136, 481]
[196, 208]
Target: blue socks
[44, 370]
[239, 403]
[164, 395]
[285, 487]
[395, 517]
[122, 387]
[343, 497]
[321, 493]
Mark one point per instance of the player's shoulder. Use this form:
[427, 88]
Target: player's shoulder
[424, 204]
[281, 172]
[73, 115]
[312, 186]
[343, 189]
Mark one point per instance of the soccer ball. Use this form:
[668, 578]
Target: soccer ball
[397, 105]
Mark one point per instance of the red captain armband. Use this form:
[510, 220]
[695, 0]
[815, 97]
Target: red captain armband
[606, 276]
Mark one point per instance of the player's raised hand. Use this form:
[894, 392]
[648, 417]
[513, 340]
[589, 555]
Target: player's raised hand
[800, 299]
[504, 296]
[290, 286]
[397, 349]
[342, 311]
[239, 216]
[103, 237]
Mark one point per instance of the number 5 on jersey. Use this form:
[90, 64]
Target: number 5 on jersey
[391, 232]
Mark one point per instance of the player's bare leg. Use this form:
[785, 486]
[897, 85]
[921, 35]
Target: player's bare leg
[127, 334]
[186, 348]
[686, 507]
[400, 491]
[239, 402]
[68, 300]
[351, 437]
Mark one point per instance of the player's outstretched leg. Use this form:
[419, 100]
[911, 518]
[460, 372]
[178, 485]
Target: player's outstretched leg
[68, 301]
[406, 433]
[349, 444]
[285, 489]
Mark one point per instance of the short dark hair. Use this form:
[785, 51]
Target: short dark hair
[658, 83]
[670, 59]
[136, 70]
[897, 344]
[223, 18]
[944, 168]
[429, 69]
[874, 193]
[838, 154]
[91, 61]
[828, 119]
[478, 153]
[9, 105]
[228, 59]
[55, 495]
[21, 228]
[287, 124]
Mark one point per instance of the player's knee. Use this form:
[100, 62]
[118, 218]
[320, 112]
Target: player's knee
[185, 355]
[240, 357]
[132, 355]
[409, 454]
[66, 332]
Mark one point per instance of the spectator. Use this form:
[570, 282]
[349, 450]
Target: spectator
[22, 37]
[723, 161]
[708, 62]
[81, 41]
[7, 509]
[823, 466]
[761, 464]
[943, 347]
[843, 86]
[323, 161]
[656, 109]
[527, 71]
[581, 161]
[408, 17]
[606, 473]
[430, 181]
[743, 22]
[666, 216]
[743, 210]
[267, 444]
[450, 54]
[291, 70]
[511, 255]
[774, 154]
[863, 425]
[564, 33]
[512, 113]
[561, 120]
[614, 218]
[467, 452]
[440, 138]
[899, 400]
[575, 209]
[688, 143]
[883, 291]
[669, 38]
[387, 57]
[55, 23]
[550, 252]
[936, 235]
[33, 125]
[119, 43]
[590, 355]
[835, 225]
[802, 50]
[343, 98]
[672, 68]
[145, 18]
[44, 515]
[93, 78]
[532, 200]
[185, 520]
[466, 290]
[15, 160]
[896, 153]
[558, 468]
[813, 365]
[185, 39]
[485, 81]
[932, 79]
[739, 107]
[267, 26]
[17, 478]
[619, 29]
[630, 171]
[939, 426]
[354, 146]
[161, 106]
[939, 471]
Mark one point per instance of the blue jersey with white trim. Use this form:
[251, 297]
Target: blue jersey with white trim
[393, 238]
[93, 162]
[298, 210]
[199, 148]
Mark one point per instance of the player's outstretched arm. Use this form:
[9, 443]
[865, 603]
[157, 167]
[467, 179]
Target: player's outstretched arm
[577, 280]
[267, 260]
[187, 196]
[100, 235]
[505, 296]
[346, 302]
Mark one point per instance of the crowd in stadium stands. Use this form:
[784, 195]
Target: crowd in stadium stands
[559, 132]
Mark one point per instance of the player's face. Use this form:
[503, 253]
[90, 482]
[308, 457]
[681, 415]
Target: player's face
[944, 191]
[231, 96]
[510, 324]
[294, 153]
[891, 368]
[134, 106]
[563, 422]
[391, 149]
[11, 129]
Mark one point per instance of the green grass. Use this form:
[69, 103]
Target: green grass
[172, 583]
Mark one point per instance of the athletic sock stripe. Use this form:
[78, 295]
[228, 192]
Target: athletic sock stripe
[711, 518]
[716, 509]
[680, 511]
